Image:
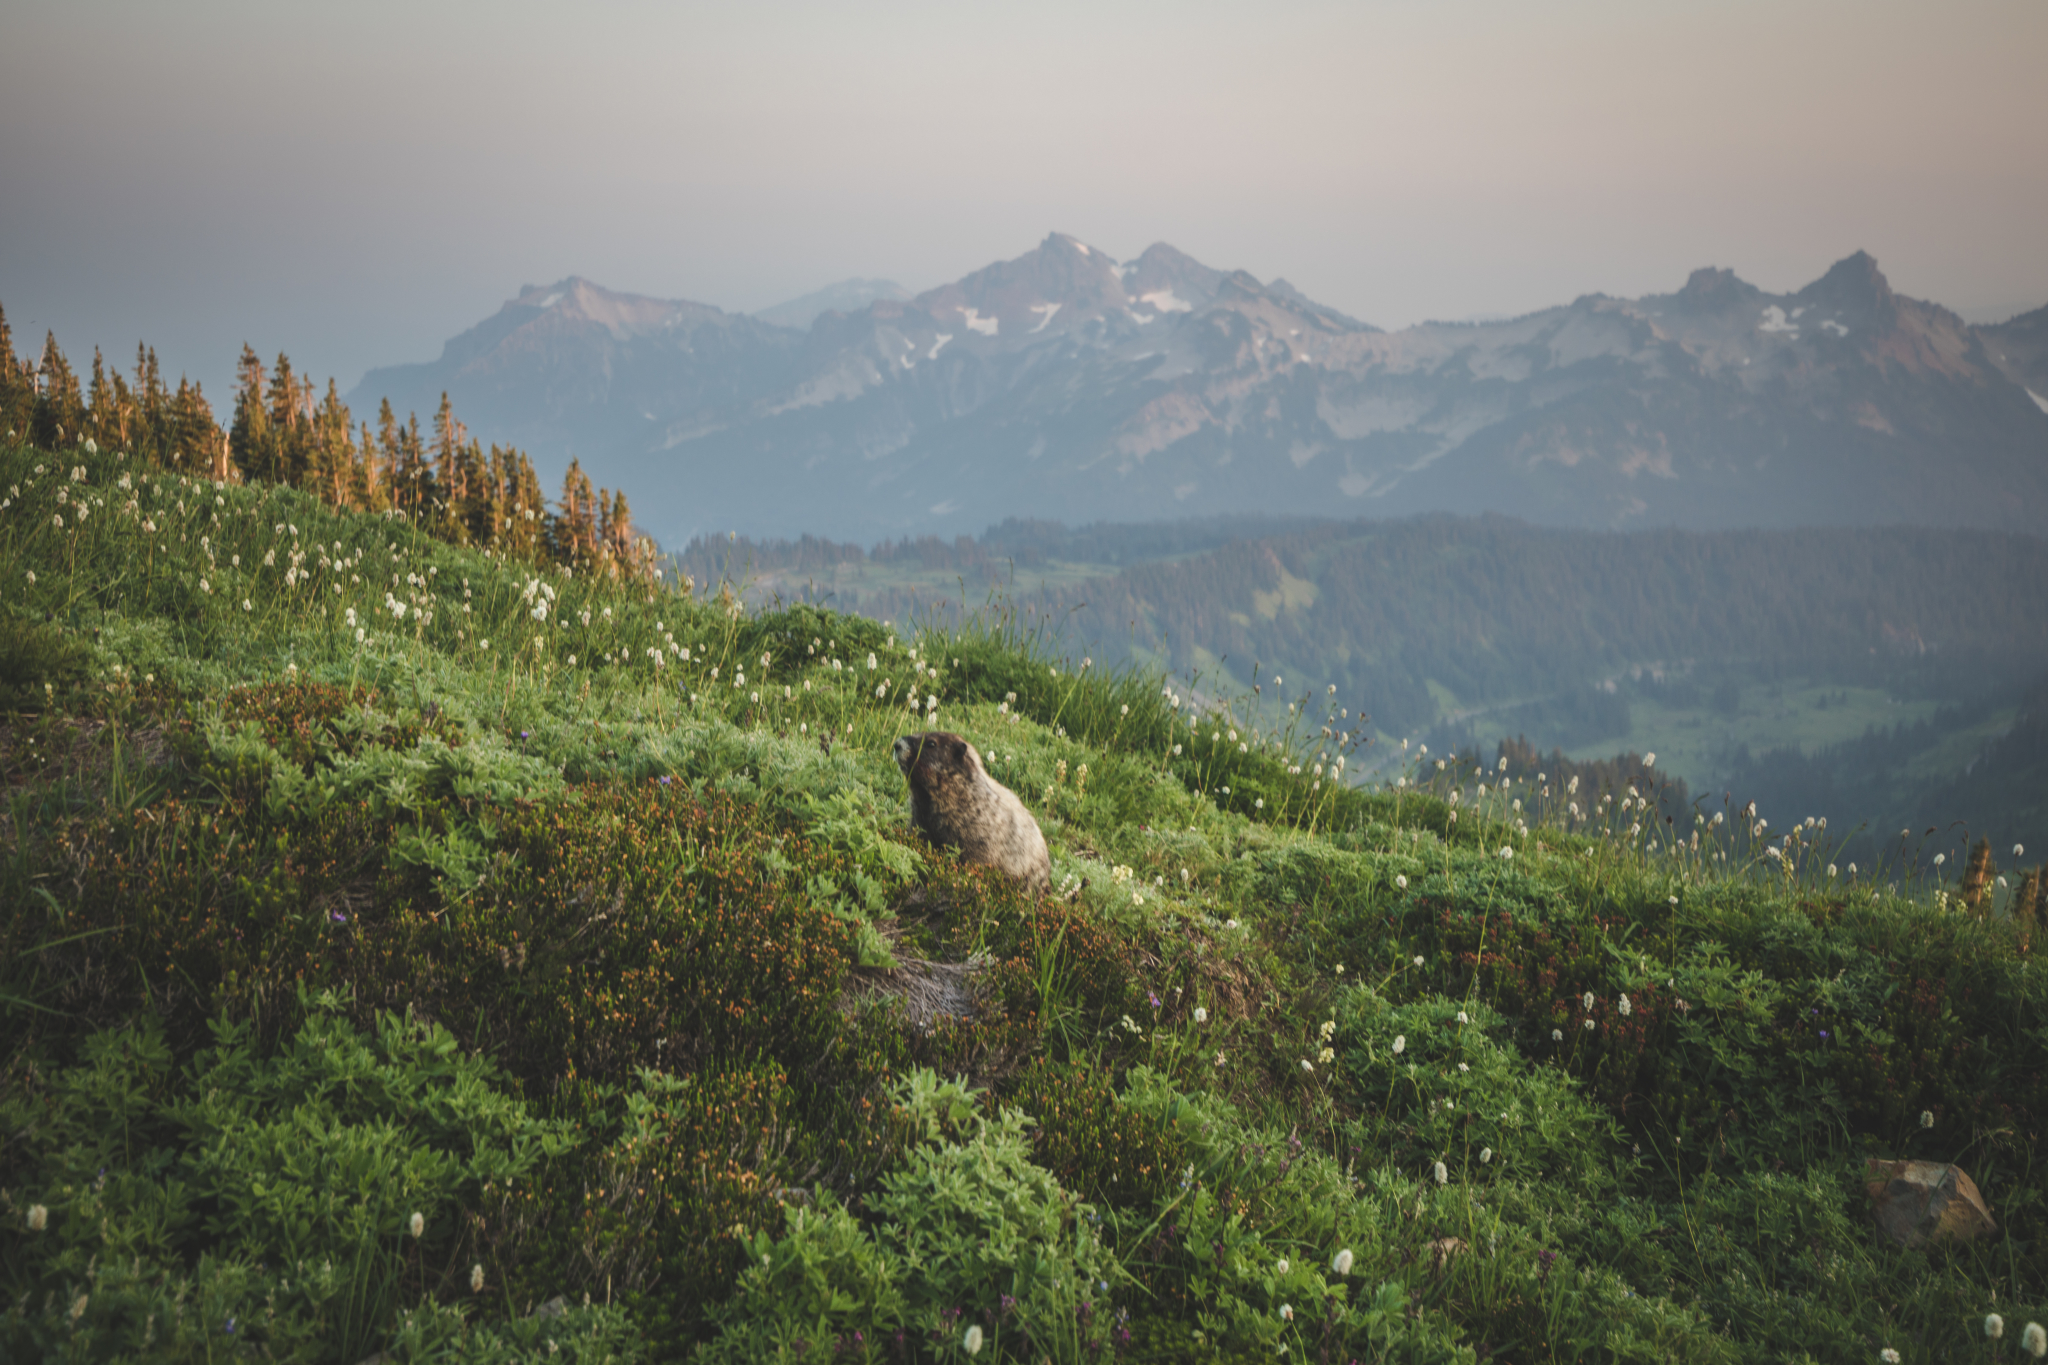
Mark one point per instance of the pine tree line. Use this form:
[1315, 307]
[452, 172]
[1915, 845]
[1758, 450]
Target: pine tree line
[285, 430]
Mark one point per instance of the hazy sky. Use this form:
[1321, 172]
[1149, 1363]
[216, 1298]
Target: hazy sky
[356, 183]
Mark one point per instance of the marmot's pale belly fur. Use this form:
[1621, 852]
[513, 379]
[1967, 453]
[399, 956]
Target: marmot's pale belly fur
[955, 804]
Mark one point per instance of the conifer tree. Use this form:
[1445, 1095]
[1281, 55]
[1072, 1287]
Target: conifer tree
[59, 412]
[196, 443]
[102, 408]
[387, 452]
[575, 526]
[621, 525]
[17, 387]
[412, 484]
[370, 490]
[153, 407]
[472, 500]
[330, 467]
[250, 437]
[291, 403]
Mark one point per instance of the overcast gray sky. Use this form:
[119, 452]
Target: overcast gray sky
[356, 183]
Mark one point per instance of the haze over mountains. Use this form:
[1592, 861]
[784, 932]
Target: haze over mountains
[1064, 384]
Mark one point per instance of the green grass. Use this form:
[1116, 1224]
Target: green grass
[1689, 740]
[596, 967]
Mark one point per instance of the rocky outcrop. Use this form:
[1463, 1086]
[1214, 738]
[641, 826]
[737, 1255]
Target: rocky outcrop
[1918, 1202]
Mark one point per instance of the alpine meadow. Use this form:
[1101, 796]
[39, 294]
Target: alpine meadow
[438, 928]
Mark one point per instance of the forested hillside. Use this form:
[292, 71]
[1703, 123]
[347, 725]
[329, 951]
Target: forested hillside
[1442, 618]
[285, 431]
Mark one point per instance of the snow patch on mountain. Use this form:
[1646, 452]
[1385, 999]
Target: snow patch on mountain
[1776, 321]
[977, 323]
[933, 354]
[1166, 301]
[1047, 309]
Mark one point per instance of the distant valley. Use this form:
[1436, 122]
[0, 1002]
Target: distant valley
[1067, 385]
[1883, 677]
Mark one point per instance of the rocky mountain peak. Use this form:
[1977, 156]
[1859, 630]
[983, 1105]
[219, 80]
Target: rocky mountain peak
[1170, 280]
[1061, 282]
[1710, 288]
[1853, 284]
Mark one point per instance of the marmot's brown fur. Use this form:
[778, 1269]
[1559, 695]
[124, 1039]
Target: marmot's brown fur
[955, 804]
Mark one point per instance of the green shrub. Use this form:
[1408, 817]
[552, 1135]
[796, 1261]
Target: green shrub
[967, 1232]
[292, 1201]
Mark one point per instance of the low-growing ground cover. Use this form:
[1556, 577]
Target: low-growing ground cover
[408, 950]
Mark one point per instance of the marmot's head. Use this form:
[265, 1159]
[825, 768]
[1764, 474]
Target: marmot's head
[929, 759]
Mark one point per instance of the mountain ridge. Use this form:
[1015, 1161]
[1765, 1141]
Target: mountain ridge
[1064, 383]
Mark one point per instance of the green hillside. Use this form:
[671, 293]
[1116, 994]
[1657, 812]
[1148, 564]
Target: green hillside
[417, 948]
[1773, 665]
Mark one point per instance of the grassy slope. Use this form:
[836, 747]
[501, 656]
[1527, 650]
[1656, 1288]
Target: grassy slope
[1425, 623]
[589, 965]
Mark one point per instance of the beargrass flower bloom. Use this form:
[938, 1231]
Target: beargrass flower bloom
[1587, 999]
[2019, 850]
[1624, 1006]
[1485, 1155]
[1287, 1312]
[1417, 960]
[1462, 1017]
[1442, 1173]
[1341, 1262]
[971, 1343]
[1994, 1326]
[1400, 1043]
[2034, 1341]
[417, 1225]
[1926, 1118]
[1888, 1356]
[38, 1217]
[1401, 881]
[476, 1278]
[1557, 1035]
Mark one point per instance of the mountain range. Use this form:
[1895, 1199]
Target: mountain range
[1066, 384]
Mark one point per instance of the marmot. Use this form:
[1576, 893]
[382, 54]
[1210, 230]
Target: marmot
[955, 804]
